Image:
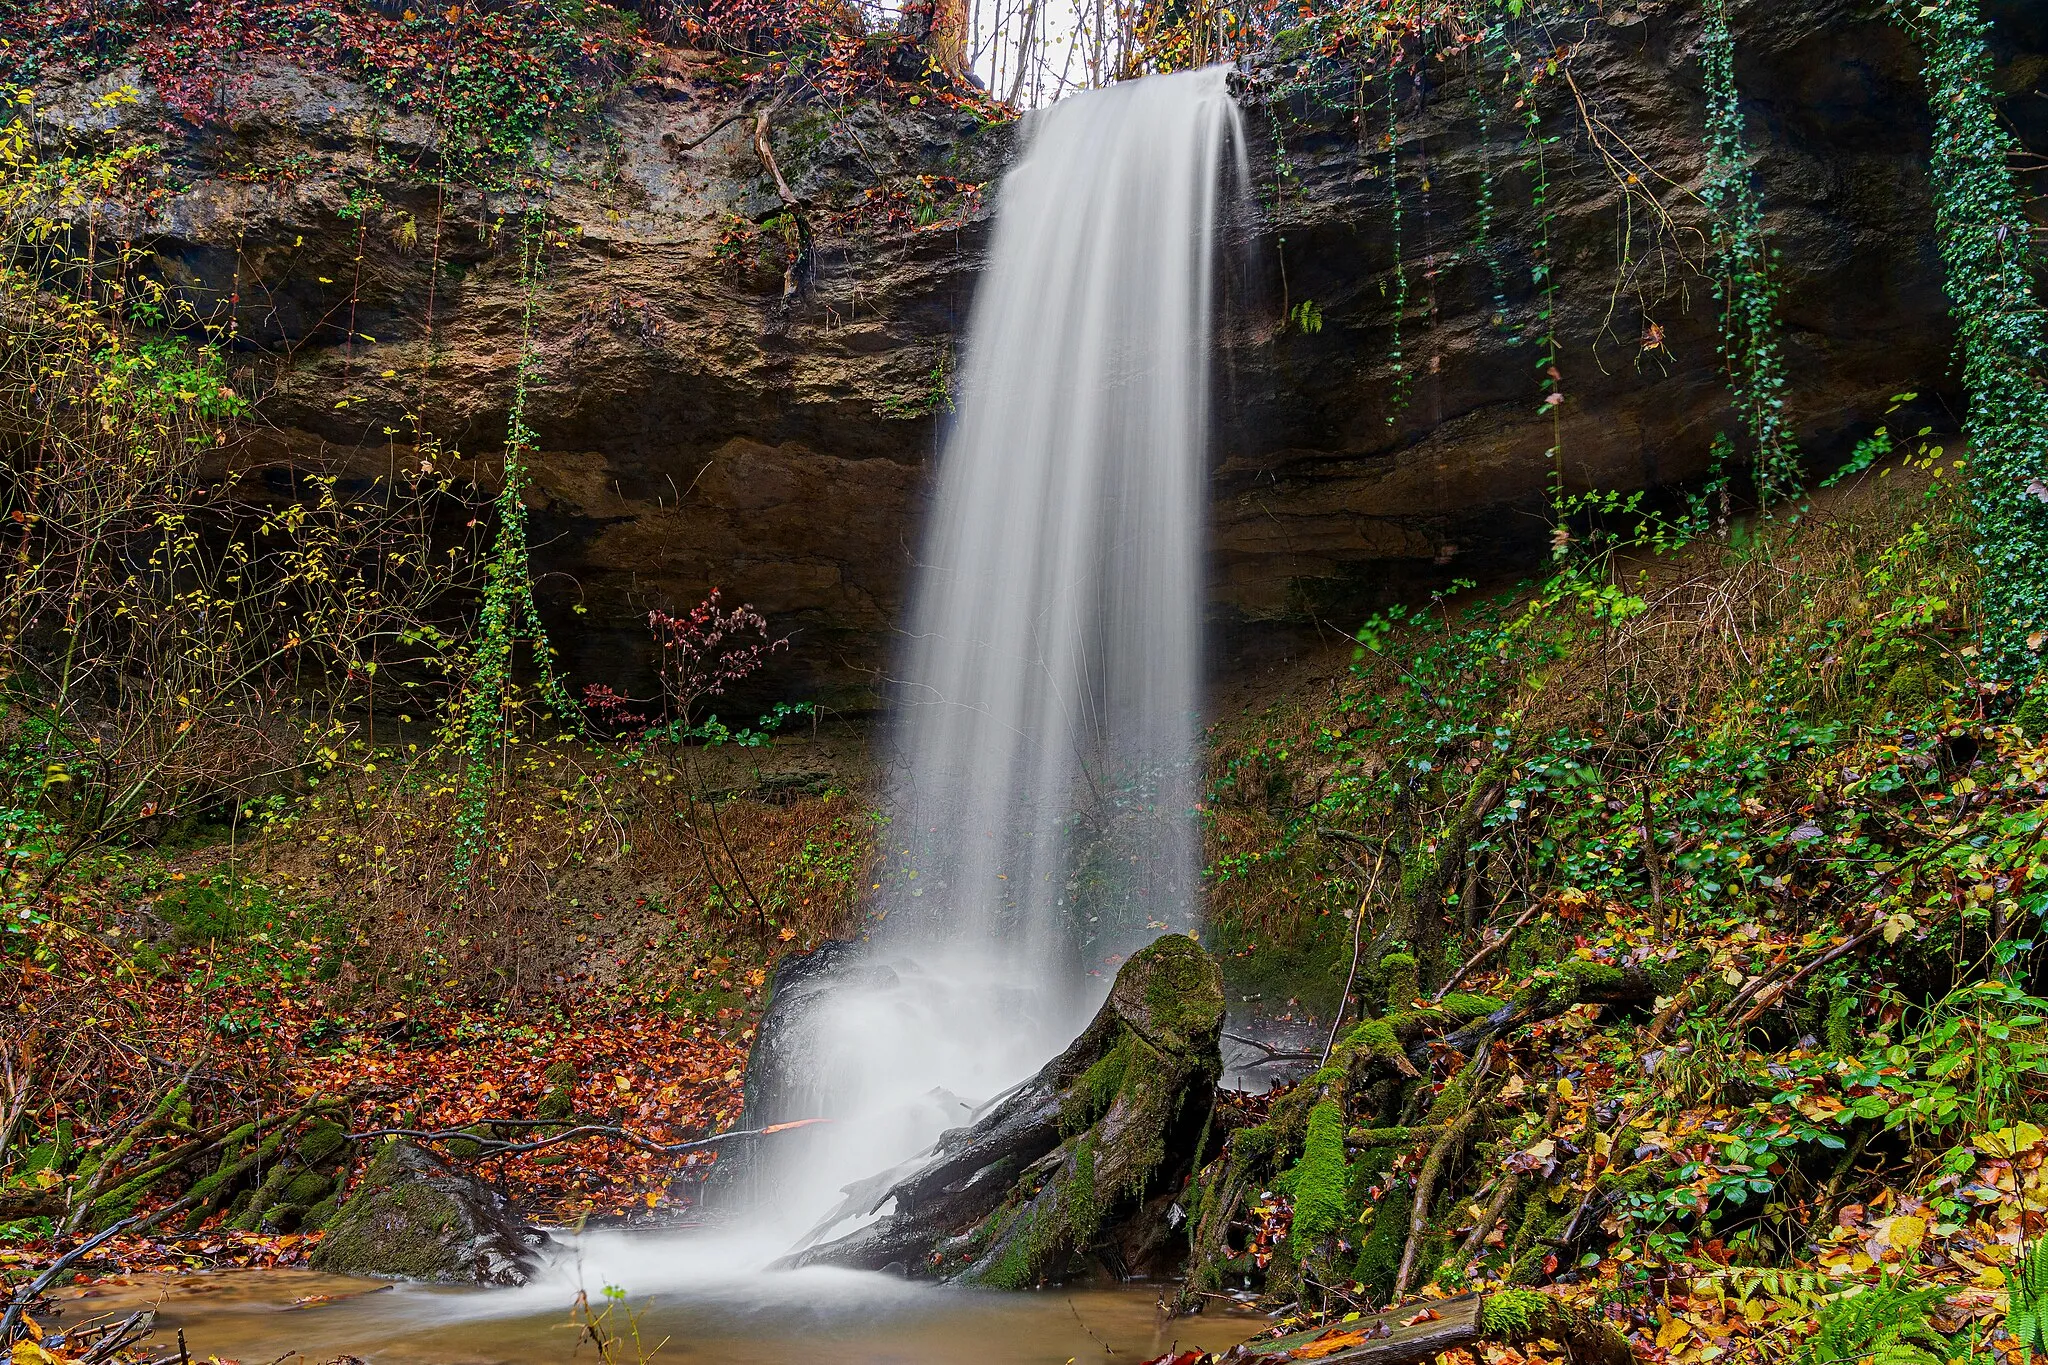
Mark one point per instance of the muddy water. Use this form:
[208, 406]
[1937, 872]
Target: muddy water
[256, 1316]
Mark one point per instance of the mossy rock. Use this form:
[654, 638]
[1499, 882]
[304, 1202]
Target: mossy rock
[318, 1216]
[417, 1218]
[323, 1142]
[1911, 692]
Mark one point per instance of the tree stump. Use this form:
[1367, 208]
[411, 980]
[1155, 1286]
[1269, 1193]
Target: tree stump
[1083, 1159]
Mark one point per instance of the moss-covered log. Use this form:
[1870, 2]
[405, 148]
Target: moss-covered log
[1084, 1157]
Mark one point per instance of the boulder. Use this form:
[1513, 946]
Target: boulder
[417, 1217]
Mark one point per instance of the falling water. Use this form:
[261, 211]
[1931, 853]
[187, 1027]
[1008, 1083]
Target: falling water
[1045, 724]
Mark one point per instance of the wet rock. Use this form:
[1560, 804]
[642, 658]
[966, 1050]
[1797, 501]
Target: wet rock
[417, 1217]
[1078, 1164]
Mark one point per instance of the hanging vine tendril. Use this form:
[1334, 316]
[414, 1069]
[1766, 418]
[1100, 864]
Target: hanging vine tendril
[1744, 281]
[509, 612]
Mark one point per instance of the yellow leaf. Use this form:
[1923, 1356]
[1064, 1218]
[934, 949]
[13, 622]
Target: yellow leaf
[1564, 1087]
[1907, 1232]
[2008, 1141]
[1672, 1332]
[29, 1353]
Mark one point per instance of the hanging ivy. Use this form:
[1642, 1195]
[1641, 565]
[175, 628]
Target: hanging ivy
[1745, 283]
[509, 612]
[1985, 244]
[1399, 399]
[1492, 47]
[1543, 274]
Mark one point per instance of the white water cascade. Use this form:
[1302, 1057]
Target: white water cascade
[1045, 724]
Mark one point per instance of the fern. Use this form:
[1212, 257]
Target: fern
[1884, 1324]
[2027, 1288]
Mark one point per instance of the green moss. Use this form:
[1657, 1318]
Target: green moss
[1023, 1238]
[1379, 1260]
[1091, 1096]
[1255, 1144]
[1402, 980]
[1084, 1215]
[1375, 1038]
[53, 1154]
[1841, 1041]
[1511, 1313]
[1574, 979]
[1467, 1007]
[1183, 990]
[1913, 689]
[318, 1216]
[2032, 717]
[322, 1142]
[1454, 1099]
[1320, 1176]
[1389, 1137]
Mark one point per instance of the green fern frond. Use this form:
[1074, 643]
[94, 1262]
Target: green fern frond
[2027, 1291]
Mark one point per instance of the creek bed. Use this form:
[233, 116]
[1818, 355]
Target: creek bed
[697, 1301]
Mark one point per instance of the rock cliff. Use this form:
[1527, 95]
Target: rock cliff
[716, 407]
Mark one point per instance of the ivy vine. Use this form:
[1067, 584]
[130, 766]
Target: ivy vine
[509, 612]
[1985, 241]
[1744, 278]
[1543, 272]
[1398, 401]
[1492, 47]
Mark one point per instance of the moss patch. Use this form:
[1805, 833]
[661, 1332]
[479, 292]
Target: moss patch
[1319, 1178]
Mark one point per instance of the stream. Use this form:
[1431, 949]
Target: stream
[693, 1299]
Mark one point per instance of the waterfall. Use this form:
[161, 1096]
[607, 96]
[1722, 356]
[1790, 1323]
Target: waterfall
[1045, 724]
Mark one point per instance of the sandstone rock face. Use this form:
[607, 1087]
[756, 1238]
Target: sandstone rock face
[709, 416]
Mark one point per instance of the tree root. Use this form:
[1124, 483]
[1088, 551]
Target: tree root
[1440, 1155]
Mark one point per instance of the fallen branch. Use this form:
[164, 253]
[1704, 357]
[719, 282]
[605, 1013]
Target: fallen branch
[1418, 1332]
[1486, 950]
[498, 1147]
[1798, 979]
[1273, 1054]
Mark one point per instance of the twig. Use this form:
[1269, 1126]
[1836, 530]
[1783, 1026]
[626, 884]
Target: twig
[1840, 950]
[1485, 951]
[1273, 1054]
[716, 128]
[1357, 938]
